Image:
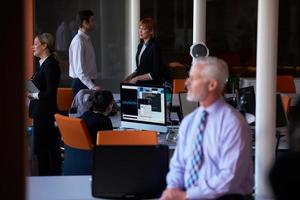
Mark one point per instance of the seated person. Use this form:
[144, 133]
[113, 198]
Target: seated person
[83, 102]
[213, 155]
[96, 118]
[285, 173]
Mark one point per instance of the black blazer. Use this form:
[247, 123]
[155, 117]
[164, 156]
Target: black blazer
[46, 79]
[150, 60]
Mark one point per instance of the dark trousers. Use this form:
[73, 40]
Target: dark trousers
[46, 147]
[77, 85]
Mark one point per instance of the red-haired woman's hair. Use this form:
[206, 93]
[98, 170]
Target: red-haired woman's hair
[148, 23]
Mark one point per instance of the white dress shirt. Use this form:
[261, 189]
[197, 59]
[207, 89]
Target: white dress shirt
[82, 59]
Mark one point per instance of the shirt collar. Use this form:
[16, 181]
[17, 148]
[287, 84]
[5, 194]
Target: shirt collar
[41, 61]
[148, 42]
[214, 107]
[83, 34]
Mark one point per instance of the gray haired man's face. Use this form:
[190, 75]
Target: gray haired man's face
[197, 84]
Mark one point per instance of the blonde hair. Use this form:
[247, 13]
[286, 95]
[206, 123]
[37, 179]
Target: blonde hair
[47, 38]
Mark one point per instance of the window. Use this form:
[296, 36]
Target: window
[231, 33]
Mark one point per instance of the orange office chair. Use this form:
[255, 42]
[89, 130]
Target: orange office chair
[286, 84]
[78, 145]
[128, 137]
[286, 101]
[177, 70]
[64, 100]
[178, 86]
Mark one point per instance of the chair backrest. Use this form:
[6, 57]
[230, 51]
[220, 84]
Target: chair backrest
[74, 132]
[127, 137]
[286, 101]
[177, 70]
[178, 86]
[64, 99]
[286, 84]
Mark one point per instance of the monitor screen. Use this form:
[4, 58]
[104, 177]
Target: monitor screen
[143, 107]
[246, 104]
[246, 100]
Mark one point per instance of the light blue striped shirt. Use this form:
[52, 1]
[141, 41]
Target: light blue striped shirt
[227, 152]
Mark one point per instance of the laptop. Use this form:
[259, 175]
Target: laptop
[186, 107]
[129, 172]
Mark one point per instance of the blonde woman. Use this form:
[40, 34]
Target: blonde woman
[43, 105]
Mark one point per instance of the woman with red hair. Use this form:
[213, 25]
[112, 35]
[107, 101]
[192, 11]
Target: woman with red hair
[148, 56]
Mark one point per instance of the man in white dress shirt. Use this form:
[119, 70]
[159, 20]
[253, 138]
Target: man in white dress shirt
[83, 68]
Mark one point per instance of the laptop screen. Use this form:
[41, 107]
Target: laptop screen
[129, 171]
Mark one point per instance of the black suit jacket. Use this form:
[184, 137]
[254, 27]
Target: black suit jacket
[150, 61]
[46, 80]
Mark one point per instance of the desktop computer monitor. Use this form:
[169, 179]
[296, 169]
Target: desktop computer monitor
[246, 104]
[143, 107]
[129, 172]
[246, 100]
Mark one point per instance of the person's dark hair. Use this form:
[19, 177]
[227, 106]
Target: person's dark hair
[294, 128]
[83, 15]
[101, 100]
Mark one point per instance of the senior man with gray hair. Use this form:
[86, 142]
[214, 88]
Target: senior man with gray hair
[213, 156]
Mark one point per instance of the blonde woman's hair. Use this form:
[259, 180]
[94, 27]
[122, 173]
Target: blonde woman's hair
[47, 38]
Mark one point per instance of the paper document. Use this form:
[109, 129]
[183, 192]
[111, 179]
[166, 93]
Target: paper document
[31, 87]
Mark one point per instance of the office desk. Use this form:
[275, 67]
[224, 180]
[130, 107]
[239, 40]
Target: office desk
[59, 188]
[162, 140]
[116, 120]
[64, 188]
